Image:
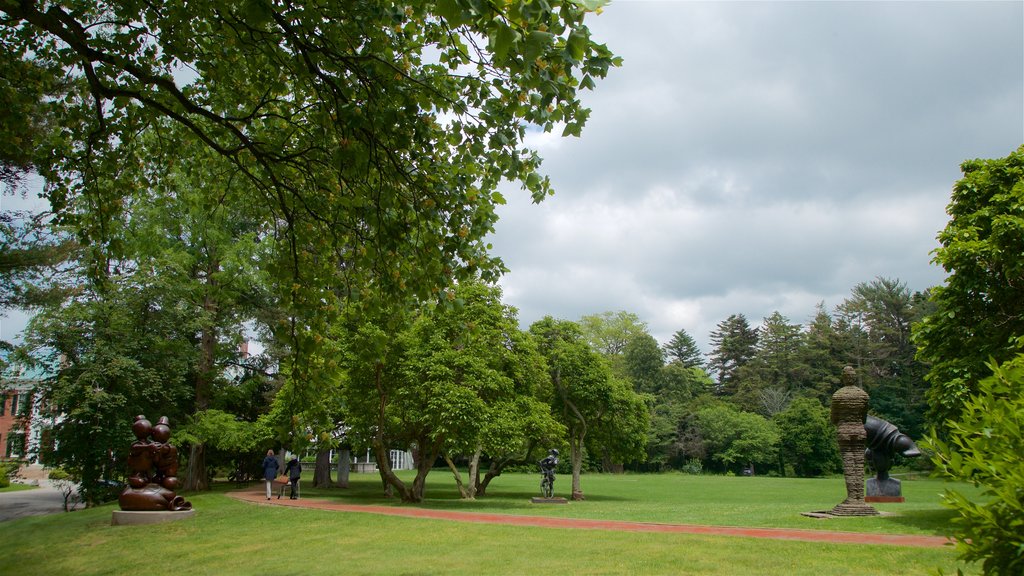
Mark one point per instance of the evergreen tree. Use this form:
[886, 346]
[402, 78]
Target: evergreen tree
[734, 345]
[682, 348]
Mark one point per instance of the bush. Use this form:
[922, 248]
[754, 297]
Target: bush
[692, 466]
[8, 471]
[67, 486]
[985, 446]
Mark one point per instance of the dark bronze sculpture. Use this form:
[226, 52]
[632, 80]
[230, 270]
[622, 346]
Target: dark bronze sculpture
[153, 463]
[885, 441]
[848, 413]
[547, 469]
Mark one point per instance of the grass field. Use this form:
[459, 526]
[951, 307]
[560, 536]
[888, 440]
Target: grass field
[231, 537]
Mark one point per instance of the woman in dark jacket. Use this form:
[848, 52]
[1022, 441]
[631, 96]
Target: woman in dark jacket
[270, 467]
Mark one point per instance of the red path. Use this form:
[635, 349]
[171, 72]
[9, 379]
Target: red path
[259, 497]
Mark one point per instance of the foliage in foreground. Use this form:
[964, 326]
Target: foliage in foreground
[985, 447]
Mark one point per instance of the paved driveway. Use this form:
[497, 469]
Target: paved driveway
[42, 500]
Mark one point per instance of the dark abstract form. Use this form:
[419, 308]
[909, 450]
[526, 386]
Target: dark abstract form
[884, 442]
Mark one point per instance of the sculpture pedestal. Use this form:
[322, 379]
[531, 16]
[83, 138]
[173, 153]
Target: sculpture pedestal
[555, 500]
[887, 490]
[853, 508]
[137, 518]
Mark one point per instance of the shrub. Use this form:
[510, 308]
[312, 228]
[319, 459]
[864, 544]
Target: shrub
[8, 471]
[984, 446]
[63, 482]
[692, 466]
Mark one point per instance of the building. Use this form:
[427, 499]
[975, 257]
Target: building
[23, 427]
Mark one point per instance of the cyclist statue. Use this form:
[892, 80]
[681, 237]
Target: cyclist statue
[547, 468]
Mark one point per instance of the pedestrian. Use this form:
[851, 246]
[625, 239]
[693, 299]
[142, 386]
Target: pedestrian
[270, 467]
[293, 469]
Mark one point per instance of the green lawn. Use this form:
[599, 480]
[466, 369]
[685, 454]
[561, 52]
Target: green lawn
[16, 487]
[231, 537]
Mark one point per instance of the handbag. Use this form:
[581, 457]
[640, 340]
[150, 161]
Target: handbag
[281, 480]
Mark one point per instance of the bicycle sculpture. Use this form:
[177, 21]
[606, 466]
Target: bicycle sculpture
[547, 469]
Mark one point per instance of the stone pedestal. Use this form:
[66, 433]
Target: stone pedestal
[886, 490]
[137, 518]
[539, 500]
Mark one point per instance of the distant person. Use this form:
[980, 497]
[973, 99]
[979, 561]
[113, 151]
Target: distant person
[293, 469]
[270, 467]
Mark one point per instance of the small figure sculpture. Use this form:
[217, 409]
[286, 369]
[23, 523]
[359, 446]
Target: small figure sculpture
[848, 413]
[547, 469]
[154, 468]
[884, 441]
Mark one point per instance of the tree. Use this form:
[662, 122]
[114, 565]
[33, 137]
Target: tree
[983, 446]
[610, 332]
[33, 259]
[770, 377]
[374, 134]
[732, 437]
[643, 360]
[824, 354]
[586, 395]
[734, 344]
[979, 311]
[201, 250]
[465, 387]
[682, 348]
[114, 356]
[452, 380]
[807, 439]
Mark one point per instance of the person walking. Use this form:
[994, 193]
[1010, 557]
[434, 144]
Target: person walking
[270, 467]
[293, 469]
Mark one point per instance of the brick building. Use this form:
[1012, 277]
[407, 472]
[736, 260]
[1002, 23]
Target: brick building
[22, 429]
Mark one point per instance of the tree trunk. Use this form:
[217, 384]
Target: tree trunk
[195, 476]
[322, 472]
[463, 491]
[576, 455]
[380, 454]
[344, 467]
[493, 472]
[474, 473]
[423, 466]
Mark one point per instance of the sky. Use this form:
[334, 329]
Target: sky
[753, 157]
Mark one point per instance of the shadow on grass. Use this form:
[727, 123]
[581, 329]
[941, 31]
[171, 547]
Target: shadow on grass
[934, 521]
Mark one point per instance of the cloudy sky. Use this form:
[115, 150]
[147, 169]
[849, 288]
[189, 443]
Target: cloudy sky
[750, 157]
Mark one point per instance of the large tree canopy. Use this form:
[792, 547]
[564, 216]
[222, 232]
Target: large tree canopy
[979, 312]
[373, 133]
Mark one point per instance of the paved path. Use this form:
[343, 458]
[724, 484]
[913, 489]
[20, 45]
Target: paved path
[42, 500]
[258, 496]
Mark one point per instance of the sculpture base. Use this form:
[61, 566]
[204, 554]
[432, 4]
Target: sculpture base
[853, 508]
[889, 487]
[827, 514]
[885, 499]
[137, 518]
[553, 500]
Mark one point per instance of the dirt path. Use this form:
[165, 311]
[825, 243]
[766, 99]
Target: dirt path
[258, 497]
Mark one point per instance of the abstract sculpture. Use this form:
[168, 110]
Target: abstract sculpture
[154, 467]
[884, 441]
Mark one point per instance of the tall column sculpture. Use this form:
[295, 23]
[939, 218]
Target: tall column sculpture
[848, 413]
